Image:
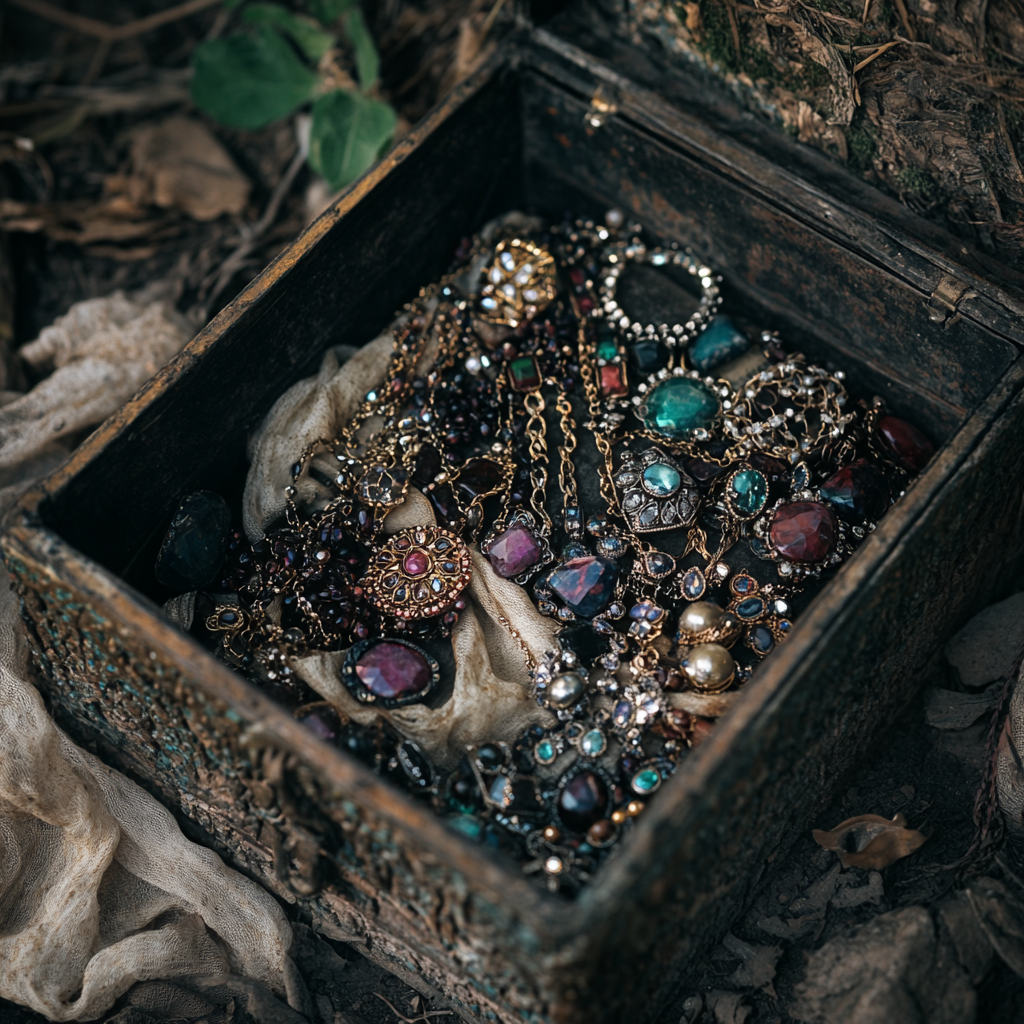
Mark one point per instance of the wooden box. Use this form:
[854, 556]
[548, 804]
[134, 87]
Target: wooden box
[545, 126]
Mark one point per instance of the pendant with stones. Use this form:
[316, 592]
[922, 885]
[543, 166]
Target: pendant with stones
[746, 492]
[518, 284]
[418, 573]
[389, 673]
[681, 406]
[517, 547]
[655, 492]
[765, 615]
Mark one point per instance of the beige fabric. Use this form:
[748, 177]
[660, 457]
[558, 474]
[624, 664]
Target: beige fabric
[98, 887]
[1010, 763]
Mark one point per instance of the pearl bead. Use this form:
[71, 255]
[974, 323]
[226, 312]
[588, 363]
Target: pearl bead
[566, 689]
[699, 616]
[709, 667]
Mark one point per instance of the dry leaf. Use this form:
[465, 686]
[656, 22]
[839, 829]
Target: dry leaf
[115, 219]
[180, 165]
[870, 841]
[757, 967]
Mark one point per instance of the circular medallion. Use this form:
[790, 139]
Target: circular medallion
[389, 672]
[418, 573]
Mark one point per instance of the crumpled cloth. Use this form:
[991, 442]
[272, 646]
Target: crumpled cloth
[98, 886]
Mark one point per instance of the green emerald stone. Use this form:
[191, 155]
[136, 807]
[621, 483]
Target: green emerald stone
[719, 342]
[524, 373]
[607, 349]
[661, 480]
[749, 491]
[678, 406]
[646, 781]
[593, 743]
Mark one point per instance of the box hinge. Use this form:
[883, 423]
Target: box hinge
[603, 105]
[943, 305]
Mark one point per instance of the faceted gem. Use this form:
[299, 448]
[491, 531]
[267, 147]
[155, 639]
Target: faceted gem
[545, 752]
[678, 406]
[661, 480]
[390, 669]
[748, 491]
[761, 640]
[416, 563]
[647, 356]
[582, 801]
[607, 349]
[593, 743]
[709, 666]
[524, 374]
[751, 608]
[804, 531]
[905, 443]
[647, 780]
[514, 551]
[743, 584]
[659, 564]
[194, 546]
[586, 584]
[566, 689]
[622, 714]
[858, 492]
[693, 584]
[613, 380]
[479, 477]
[719, 342]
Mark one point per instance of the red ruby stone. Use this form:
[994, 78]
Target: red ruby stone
[857, 492]
[514, 551]
[804, 531]
[390, 670]
[908, 445]
[612, 382]
[416, 563]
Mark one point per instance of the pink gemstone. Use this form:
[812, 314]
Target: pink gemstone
[804, 531]
[416, 563]
[390, 670]
[514, 551]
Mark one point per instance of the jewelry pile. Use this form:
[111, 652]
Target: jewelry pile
[663, 492]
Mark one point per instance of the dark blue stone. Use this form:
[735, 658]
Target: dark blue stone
[717, 344]
[647, 356]
[751, 608]
[194, 546]
[586, 584]
[761, 639]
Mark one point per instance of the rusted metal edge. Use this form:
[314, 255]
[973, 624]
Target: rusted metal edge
[133, 614]
[813, 631]
[821, 212]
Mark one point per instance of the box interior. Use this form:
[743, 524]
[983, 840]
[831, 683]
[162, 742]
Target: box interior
[520, 138]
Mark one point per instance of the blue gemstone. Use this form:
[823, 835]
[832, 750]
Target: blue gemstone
[694, 584]
[593, 743]
[658, 563]
[761, 639]
[545, 751]
[719, 342]
[751, 608]
[743, 584]
[586, 584]
[661, 480]
[623, 714]
[647, 780]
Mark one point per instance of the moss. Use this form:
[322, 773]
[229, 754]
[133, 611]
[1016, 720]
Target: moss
[915, 182]
[814, 76]
[716, 37]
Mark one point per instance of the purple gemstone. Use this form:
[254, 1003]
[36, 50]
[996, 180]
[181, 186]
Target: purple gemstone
[586, 584]
[390, 670]
[582, 801]
[514, 551]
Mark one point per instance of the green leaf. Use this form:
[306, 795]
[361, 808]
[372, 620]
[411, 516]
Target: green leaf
[312, 40]
[248, 81]
[367, 58]
[327, 12]
[348, 133]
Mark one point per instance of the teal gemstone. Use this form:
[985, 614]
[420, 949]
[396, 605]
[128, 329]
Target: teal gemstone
[545, 751]
[717, 344]
[593, 743]
[647, 780]
[748, 491]
[661, 480]
[678, 406]
[607, 349]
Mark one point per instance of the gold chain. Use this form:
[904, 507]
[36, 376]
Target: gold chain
[536, 432]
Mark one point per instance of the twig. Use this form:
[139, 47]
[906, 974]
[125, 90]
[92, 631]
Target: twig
[867, 4]
[253, 233]
[414, 1020]
[111, 33]
[878, 53]
[490, 19]
[730, 9]
[905, 18]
